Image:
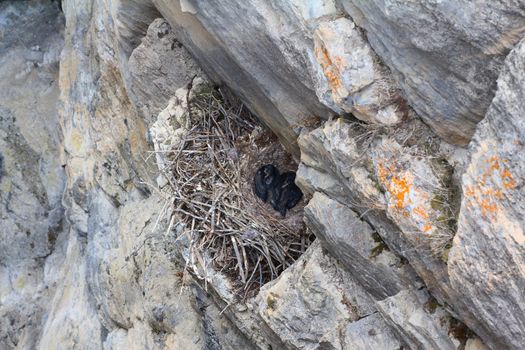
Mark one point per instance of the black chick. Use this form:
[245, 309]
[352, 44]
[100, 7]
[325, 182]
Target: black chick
[265, 179]
[285, 194]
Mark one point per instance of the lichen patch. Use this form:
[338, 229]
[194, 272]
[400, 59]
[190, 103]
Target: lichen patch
[491, 182]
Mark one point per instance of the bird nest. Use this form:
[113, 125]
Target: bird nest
[228, 227]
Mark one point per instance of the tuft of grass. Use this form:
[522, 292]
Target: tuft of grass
[444, 202]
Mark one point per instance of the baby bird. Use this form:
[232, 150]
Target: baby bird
[285, 194]
[265, 179]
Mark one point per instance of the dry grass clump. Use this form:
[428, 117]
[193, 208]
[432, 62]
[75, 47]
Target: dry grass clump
[212, 179]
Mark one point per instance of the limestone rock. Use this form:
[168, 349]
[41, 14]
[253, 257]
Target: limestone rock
[385, 170]
[258, 48]
[172, 124]
[352, 79]
[488, 253]
[157, 68]
[475, 344]
[343, 161]
[418, 192]
[315, 304]
[444, 55]
[296, 48]
[32, 219]
[90, 258]
[117, 284]
[356, 245]
[370, 333]
[423, 324]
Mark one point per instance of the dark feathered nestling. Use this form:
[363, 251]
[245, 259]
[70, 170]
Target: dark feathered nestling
[265, 179]
[285, 194]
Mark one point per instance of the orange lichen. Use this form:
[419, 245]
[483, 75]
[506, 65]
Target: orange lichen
[383, 173]
[427, 227]
[488, 205]
[508, 181]
[421, 212]
[399, 186]
[330, 69]
[399, 189]
[490, 186]
[339, 62]
[494, 163]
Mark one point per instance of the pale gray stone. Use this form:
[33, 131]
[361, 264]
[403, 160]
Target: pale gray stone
[353, 242]
[358, 168]
[261, 49]
[370, 333]
[157, 68]
[32, 219]
[86, 257]
[317, 305]
[351, 78]
[445, 55]
[488, 254]
[422, 327]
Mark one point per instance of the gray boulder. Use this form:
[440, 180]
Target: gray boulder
[445, 55]
[488, 254]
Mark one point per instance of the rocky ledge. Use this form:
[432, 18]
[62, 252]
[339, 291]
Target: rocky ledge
[405, 120]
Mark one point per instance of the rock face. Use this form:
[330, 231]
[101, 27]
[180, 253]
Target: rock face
[31, 177]
[451, 92]
[316, 304]
[352, 79]
[275, 55]
[281, 94]
[491, 228]
[444, 55]
[158, 67]
[120, 285]
[419, 242]
[84, 260]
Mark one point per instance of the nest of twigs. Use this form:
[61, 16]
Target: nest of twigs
[229, 228]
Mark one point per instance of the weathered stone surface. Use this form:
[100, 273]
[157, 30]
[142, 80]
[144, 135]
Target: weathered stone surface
[295, 48]
[419, 321]
[109, 280]
[395, 171]
[475, 344]
[445, 55]
[315, 305]
[487, 259]
[370, 333]
[131, 19]
[355, 244]
[351, 78]
[86, 256]
[157, 68]
[422, 323]
[343, 161]
[171, 125]
[31, 176]
[259, 50]
[418, 191]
